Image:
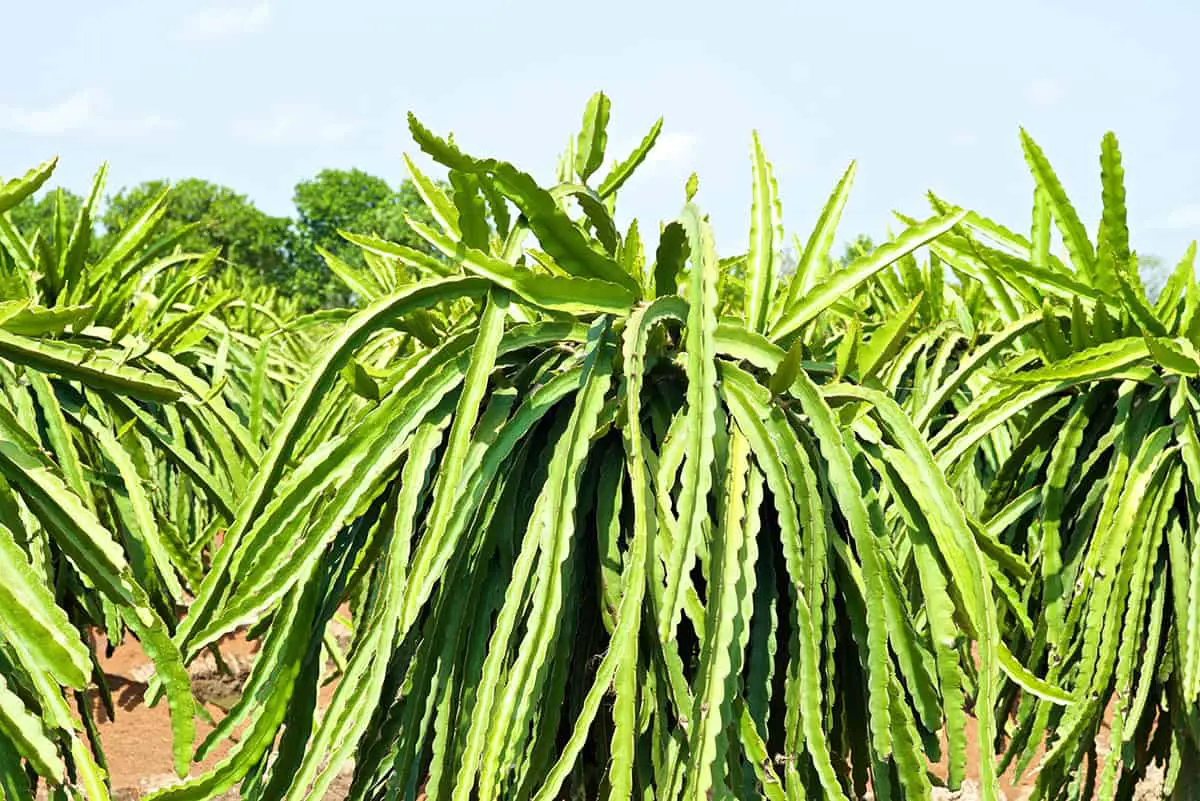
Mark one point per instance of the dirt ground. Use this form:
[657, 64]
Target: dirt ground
[138, 741]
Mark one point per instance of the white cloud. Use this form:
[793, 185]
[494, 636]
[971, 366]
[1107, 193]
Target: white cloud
[225, 21]
[1184, 217]
[85, 111]
[295, 124]
[76, 112]
[1046, 92]
[673, 148]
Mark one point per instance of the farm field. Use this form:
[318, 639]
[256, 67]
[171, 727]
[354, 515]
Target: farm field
[138, 738]
[564, 504]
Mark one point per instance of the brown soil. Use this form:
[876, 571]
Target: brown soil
[1013, 789]
[137, 741]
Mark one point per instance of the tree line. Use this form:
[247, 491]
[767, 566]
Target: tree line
[282, 251]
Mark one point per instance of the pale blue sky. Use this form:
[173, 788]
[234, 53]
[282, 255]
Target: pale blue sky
[257, 95]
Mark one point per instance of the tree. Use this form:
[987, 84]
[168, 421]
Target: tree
[38, 215]
[1154, 272]
[223, 219]
[354, 201]
[860, 246]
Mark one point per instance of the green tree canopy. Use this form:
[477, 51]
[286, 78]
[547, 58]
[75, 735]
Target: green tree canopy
[33, 215]
[1154, 272]
[220, 218]
[278, 250]
[348, 200]
[860, 246]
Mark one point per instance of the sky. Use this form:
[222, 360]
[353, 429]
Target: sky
[259, 94]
